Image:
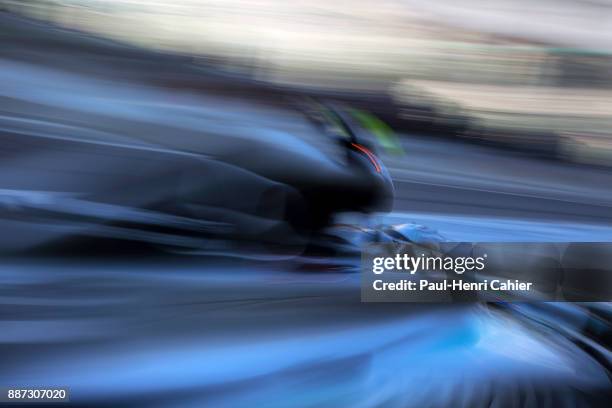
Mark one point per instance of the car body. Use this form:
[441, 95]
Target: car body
[85, 157]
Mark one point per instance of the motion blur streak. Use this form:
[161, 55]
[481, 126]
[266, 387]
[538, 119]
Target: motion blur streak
[178, 332]
[370, 156]
[182, 210]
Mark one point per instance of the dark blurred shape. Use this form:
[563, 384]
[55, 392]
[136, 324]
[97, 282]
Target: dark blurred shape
[587, 271]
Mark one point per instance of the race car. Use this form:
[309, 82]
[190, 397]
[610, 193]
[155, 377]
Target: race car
[86, 158]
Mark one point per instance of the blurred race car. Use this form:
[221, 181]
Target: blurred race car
[103, 163]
